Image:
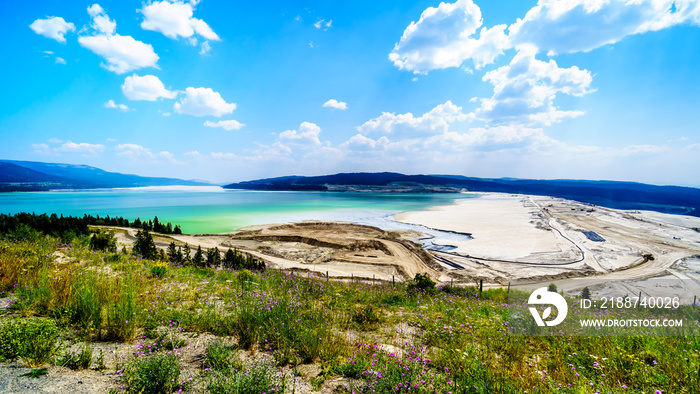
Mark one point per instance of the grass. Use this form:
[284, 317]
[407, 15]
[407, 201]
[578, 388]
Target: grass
[78, 360]
[257, 379]
[152, 374]
[442, 339]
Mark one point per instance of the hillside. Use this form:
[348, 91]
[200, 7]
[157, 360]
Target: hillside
[37, 176]
[620, 195]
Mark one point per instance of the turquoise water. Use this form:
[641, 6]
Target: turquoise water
[214, 210]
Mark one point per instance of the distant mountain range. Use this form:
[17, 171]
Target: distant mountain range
[620, 195]
[37, 176]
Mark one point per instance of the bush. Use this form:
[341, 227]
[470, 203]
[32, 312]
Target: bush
[552, 287]
[421, 282]
[261, 378]
[366, 316]
[156, 373]
[221, 357]
[80, 359]
[159, 270]
[32, 340]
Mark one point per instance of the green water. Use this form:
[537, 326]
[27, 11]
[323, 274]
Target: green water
[215, 210]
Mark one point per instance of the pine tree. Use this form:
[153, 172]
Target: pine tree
[172, 253]
[144, 245]
[178, 256]
[186, 254]
[229, 259]
[198, 259]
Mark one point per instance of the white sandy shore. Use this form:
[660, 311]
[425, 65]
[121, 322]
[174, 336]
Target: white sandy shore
[503, 226]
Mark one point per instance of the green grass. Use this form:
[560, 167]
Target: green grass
[78, 360]
[152, 374]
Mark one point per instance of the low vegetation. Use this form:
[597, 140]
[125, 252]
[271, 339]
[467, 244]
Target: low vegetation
[378, 337]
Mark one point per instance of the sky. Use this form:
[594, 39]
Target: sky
[228, 91]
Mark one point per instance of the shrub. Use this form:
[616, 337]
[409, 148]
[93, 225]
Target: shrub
[366, 316]
[32, 340]
[421, 282]
[80, 359]
[159, 270]
[552, 287]
[157, 373]
[221, 357]
[260, 378]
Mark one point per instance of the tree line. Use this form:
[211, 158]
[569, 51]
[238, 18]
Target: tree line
[145, 247]
[69, 227]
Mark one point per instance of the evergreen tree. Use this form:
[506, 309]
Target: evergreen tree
[229, 259]
[144, 246]
[198, 259]
[162, 256]
[586, 293]
[172, 253]
[178, 256]
[186, 254]
[177, 230]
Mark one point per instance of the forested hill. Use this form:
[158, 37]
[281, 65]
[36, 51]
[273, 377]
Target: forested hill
[620, 195]
[32, 175]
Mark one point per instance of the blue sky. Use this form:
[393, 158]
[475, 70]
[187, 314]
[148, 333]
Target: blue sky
[229, 91]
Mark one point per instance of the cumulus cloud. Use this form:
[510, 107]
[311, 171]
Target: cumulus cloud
[583, 25]
[225, 124]
[203, 102]
[60, 60]
[446, 36]
[307, 135]
[121, 53]
[148, 87]
[333, 103]
[53, 27]
[525, 89]
[138, 152]
[111, 104]
[174, 19]
[359, 142]
[436, 120]
[82, 148]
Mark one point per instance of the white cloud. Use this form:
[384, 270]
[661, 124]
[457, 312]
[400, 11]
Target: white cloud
[138, 152]
[583, 25]
[204, 48]
[111, 104]
[148, 87]
[60, 60]
[225, 124]
[203, 102]
[321, 23]
[174, 19]
[83, 148]
[53, 27]
[307, 135]
[100, 20]
[525, 89]
[436, 120]
[55, 141]
[446, 36]
[121, 53]
[333, 103]
[359, 142]
[41, 149]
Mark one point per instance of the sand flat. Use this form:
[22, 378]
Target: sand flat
[503, 226]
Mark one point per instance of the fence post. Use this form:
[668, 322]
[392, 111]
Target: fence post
[481, 286]
[393, 282]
